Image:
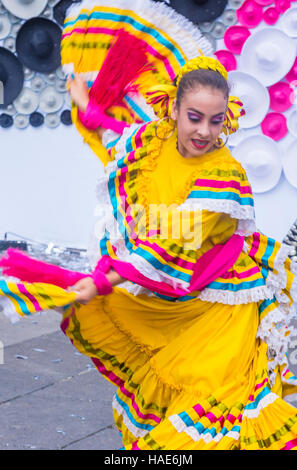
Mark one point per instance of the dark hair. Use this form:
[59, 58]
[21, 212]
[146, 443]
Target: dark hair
[204, 77]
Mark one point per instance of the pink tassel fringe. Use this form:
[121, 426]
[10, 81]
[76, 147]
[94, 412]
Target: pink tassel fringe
[28, 269]
[125, 61]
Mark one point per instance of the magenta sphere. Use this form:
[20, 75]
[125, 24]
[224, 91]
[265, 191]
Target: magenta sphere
[227, 59]
[250, 14]
[282, 5]
[264, 3]
[280, 96]
[235, 37]
[275, 126]
[271, 15]
[292, 74]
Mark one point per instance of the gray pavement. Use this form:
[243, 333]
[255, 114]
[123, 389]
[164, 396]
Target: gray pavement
[51, 396]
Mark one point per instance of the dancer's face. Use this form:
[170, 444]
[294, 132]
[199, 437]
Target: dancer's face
[200, 117]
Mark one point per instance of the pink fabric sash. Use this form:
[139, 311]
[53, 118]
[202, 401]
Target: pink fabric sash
[209, 267]
[213, 264]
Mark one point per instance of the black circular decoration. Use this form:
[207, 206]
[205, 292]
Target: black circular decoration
[36, 119]
[66, 117]
[199, 11]
[38, 45]
[11, 77]
[61, 8]
[6, 120]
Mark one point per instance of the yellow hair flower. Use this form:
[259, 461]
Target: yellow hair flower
[161, 97]
[234, 112]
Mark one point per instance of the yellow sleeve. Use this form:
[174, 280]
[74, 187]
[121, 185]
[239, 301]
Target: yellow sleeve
[217, 226]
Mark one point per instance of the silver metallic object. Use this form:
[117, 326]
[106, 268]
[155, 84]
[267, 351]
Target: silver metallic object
[5, 26]
[29, 74]
[10, 110]
[291, 240]
[229, 17]
[47, 13]
[235, 3]
[9, 43]
[38, 83]
[15, 29]
[21, 121]
[61, 86]
[50, 78]
[206, 27]
[72, 258]
[218, 30]
[52, 120]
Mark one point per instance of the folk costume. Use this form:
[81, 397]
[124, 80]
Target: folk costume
[195, 340]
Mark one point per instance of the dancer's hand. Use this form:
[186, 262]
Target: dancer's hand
[79, 92]
[85, 289]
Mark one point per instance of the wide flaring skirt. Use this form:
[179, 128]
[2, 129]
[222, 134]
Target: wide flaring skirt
[188, 375]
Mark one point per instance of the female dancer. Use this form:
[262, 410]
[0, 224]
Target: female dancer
[187, 310]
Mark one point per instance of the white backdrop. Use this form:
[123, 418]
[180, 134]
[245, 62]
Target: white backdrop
[47, 190]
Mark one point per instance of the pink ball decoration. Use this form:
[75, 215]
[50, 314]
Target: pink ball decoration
[282, 5]
[264, 3]
[274, 125]
[271, 15]
[227, 59]
[235, 37]
[292, 74]
[280, 96]
[250, 14]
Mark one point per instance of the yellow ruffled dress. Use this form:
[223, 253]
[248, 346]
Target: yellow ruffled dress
[192, 374]
[203, 371]
[206, 370]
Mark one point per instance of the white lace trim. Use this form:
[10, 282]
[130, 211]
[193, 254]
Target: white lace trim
[235, 298]
[187, 35]
[139, 100]
[135, 289]
[135, 431]
[109, 136]
[120, 148]
[275, 326]
[196, 436]
[232, 208]
[246, 227]
[145, 268]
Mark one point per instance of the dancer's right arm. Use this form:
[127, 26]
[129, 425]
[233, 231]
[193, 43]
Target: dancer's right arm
[79, 93]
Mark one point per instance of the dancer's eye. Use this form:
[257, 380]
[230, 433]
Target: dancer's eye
[193, 117]
[217, 121]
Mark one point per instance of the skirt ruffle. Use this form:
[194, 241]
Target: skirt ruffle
[188, 375]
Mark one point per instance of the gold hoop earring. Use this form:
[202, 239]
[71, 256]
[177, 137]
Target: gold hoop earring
[165, 118]
[220, 141]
